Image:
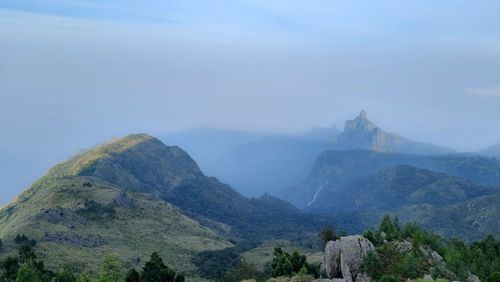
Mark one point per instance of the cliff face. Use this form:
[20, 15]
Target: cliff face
[361, 133]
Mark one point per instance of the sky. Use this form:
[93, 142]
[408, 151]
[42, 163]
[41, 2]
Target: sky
[74, 73]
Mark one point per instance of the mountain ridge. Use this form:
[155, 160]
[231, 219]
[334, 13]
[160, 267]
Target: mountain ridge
[361, 133]
[117, 193]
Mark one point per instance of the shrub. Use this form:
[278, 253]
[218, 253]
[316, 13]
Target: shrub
[494, 277]
[110, 270]
[327, 234]
[371, 265]
[389, 278]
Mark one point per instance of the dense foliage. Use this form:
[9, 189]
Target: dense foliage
[460, 259]
[388, 263]
[26, 268]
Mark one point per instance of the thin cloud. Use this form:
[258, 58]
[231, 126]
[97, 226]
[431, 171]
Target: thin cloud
[488, 91]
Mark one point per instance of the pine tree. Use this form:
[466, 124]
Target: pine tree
[132, 276]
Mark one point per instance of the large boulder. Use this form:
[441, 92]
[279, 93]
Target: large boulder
[344, 257]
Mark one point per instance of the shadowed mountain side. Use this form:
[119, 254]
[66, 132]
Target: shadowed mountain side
[335, 168]
[136, 189]
[492, 151]
[395, 187]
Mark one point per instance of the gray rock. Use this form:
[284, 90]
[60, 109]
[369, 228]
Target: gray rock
[61, 215]
[75, 240]
[363, 277]
[122, 199]
[343, 257]
[428, 278]
[430, 256]
[402, 246]
[473, 278]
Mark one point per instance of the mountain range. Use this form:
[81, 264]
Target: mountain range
[256, 163]
[446, 193]
[135, 195]
[493, 151]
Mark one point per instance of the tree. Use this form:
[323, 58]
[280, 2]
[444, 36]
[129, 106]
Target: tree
[65, 276]
[180, 278]
[85, 276]
[28, 273]
[26, 254]
[327, 234]
[369, 235]
[10, 266]
[389, 278]
[110, 270]
[281, 264]
[389, 228]
[494, 277]
[132, 276]
[155, 270]
[371, 265]
[243, 271]
[298, 261]
[410, 266]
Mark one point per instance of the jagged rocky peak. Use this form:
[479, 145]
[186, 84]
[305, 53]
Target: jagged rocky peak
[360, 123]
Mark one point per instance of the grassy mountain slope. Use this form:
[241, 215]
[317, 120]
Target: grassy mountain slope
[135, 195]
[78, 220]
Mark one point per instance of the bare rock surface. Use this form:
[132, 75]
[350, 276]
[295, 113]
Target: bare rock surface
[74, 239]
[60, 215]
[343, 258]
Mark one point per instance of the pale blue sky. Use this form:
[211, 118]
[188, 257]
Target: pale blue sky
[74, 73]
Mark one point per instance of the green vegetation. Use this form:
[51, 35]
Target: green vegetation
[118, 194]
[28, 269]
[327, 234]
[428, 253]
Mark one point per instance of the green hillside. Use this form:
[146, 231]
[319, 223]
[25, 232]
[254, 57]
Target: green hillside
[135, 195]
[78, 220]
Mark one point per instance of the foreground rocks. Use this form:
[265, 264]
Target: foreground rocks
[344, 257]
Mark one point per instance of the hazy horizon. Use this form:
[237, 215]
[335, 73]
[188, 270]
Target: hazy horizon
[76, 73]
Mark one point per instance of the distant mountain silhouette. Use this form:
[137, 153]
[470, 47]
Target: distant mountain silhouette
[256, 163]
[361, 133]
[493, 151]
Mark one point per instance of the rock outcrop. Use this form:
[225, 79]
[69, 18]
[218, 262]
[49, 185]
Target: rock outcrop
[343, 258]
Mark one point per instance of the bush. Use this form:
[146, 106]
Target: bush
[327, 234]
[28, 272]
[389, 278]
[65, 276]
[155, 270]
[371, 265]
[410, 266]
[302, 278]
[110, 270]
[494, 277]
[132, 276]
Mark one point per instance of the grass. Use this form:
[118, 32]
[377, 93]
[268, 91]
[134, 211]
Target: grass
[263, 254]
[132, 234]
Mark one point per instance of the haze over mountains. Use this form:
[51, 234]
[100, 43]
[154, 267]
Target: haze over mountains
[255, 163]
[136, 189]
